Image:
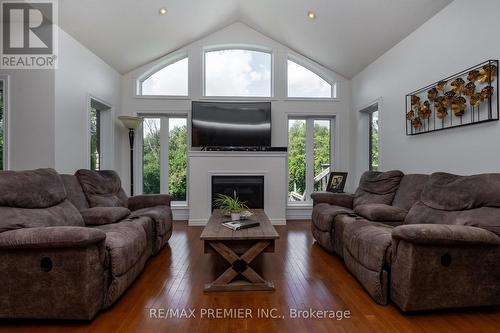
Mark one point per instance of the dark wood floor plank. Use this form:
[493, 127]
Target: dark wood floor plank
[305, 276]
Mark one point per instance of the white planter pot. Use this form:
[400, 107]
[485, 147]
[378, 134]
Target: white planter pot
[235, 216]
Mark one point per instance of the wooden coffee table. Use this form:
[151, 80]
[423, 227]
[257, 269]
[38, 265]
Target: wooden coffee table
[239, 248]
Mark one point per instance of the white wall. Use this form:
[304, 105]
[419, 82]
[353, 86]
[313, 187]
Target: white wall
[31, 119]
[463, 34]
[80, 75]
[48, 116]
[241, 34]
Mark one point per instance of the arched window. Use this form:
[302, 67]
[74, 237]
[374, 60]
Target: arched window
[303, 82]
[171, 80]
[238, 73]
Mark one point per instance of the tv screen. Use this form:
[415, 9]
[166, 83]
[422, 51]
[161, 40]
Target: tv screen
[217, 124]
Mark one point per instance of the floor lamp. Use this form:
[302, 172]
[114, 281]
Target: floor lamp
[131, 123]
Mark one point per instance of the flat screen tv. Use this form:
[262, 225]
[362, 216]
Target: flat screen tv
[216, 124]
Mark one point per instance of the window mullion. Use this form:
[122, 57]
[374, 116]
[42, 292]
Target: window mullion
[309, 158]
[164, 151]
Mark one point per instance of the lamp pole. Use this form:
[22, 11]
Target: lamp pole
[131, 123]
[131, 137]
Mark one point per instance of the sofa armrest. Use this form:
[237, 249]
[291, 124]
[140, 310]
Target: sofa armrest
[445, 234]
[339, 199]
[148, 200]
[50, 237]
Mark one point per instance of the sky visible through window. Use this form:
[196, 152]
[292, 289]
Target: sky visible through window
[241, 73]
[171, 80]
[304, 83]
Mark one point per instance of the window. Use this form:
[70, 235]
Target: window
[177, 158]
[151, 155]
[171, 80]
[238, 73]
[97, 110]
[302, 82]
[95, 139]
[164, 143]
[2, 127]
[374, 141]
[309, 156]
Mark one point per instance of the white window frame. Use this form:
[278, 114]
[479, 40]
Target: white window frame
[158, 67]
[164, 151]
[364, 117]
[6, 116]
[316, 69]
[246, 47]
[310, 153]
[106, 133]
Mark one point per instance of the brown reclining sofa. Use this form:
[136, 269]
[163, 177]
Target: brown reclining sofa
[71, 245]
[424, 242]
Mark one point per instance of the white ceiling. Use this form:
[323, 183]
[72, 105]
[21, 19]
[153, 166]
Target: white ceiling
[346, 36]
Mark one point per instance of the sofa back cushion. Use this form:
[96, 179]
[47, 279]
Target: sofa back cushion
[377, 187]
[62, 214]
[452, 192]
[409, 190]
[37, 198]
[484, 217]
[464, 200]
[40, 188]
[75, 192]
[102, 188]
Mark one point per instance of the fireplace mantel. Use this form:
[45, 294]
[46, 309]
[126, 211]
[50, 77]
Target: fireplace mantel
[205, 164]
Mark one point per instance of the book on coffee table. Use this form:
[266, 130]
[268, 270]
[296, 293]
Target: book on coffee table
[240, 224]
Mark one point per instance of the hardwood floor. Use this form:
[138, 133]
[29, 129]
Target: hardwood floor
[305, 277]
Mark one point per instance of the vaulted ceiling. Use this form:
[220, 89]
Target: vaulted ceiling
[346, 35]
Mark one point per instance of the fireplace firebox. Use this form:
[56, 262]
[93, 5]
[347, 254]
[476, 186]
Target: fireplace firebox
[249, 189]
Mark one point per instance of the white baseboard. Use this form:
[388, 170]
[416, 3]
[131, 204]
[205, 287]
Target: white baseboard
[197, 222]
[203, 222]
[180, 214]
[278, 221]
[298, 213]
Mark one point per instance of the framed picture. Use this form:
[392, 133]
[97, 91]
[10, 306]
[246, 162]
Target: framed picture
[336, 182]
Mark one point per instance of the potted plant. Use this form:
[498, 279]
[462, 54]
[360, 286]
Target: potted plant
[230, 206]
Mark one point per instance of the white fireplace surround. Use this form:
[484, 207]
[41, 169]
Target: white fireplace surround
[203, 165]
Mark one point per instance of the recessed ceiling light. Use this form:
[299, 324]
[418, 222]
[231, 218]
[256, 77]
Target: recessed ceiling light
[162, 11]
[311, 15]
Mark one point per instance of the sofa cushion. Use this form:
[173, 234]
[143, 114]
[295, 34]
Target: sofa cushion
[366, 245]
[485, 217]
[104, 215]
[323, 215]
[377, 187]
[409, 190]
[380, 212]
[63, 214]
[445, 191]
[102, 188]
[126, 243]
[339, 223]
[40, 188]
[75, 192]
[161, 215]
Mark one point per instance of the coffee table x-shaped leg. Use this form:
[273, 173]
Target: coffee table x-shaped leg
[239, 265]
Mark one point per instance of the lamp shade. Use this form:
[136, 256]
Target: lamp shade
[130, 122]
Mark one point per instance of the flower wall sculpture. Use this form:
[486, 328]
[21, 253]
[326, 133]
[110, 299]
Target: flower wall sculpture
[470, 97]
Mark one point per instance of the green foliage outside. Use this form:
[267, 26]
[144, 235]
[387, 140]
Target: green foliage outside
[297, 153]
[151, 158]
[297, 157]
[177, 160]
[94, 140]
[374, 138]
[1, 130]
[177, 163]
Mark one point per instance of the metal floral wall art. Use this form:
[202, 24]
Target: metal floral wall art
[466, 98]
